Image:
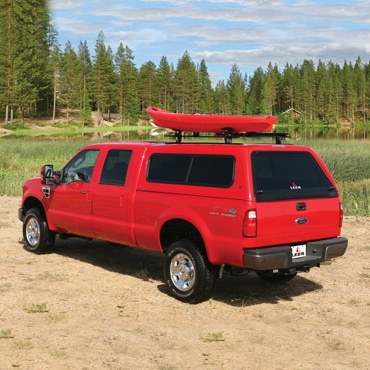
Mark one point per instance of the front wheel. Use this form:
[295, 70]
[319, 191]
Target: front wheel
[188, 274]
[36, 234]
[277, 277]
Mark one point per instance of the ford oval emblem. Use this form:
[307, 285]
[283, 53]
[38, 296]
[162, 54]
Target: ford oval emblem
[301, 220]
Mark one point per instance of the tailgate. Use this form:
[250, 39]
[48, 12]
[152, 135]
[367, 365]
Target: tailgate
[296, 221]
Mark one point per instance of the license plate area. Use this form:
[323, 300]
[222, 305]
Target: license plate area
[299, 251]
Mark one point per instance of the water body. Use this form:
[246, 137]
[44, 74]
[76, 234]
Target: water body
[295, 132]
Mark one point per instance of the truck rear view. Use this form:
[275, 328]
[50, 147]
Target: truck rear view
[298, 214]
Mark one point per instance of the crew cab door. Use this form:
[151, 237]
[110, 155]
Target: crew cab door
[296, 198]
[112, 203]
[71, 200]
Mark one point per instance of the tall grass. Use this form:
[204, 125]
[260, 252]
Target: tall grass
[22, 159]
[348, 161]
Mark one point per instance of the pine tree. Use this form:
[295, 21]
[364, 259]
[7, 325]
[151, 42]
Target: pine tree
[55, 66]
[287, 87]
[8, 52]
[323, 88]
[254, 104]
[126, 73]
[307, 93]
[186, 85]
[349, 91]
[221, 98]
[111, 88]
[206, 104]
[236, 88]
[26, 36]
[69, 79]
[148, 85]
[361, 88]
[52, 46]
[270, 90]
[336, 95]
[104, 87]
[165, 82]
[85, 68]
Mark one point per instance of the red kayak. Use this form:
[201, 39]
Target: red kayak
[216, 123]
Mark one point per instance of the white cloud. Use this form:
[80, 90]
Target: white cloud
[65, 4]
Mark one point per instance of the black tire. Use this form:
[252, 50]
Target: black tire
[36, 234]
[188, 274]
[275, 278]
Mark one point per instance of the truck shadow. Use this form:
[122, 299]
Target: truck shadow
[139, 263]
[250, 290]
[241, 291]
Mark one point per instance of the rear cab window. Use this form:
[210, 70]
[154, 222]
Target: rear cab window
[289, 175]
[192, 169]
[115, 167]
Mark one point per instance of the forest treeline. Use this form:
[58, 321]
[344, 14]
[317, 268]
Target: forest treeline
[38, 76]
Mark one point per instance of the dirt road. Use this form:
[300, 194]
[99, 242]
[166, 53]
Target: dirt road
[90, 305]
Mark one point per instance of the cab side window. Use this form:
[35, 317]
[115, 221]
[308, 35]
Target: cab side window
[115, 167]
[81, 167]
[192, 169]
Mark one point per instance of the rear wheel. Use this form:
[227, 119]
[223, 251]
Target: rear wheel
[277, 277]
[188, 274]
[36, 234]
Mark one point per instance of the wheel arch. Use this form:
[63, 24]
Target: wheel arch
[176, 229]
[33, 202]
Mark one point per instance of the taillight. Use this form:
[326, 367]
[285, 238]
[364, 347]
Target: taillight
[250, 224]
[340, 214]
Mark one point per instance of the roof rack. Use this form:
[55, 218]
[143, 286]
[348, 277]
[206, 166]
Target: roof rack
[228, 135]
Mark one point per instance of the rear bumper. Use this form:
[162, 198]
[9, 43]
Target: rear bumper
[280, 257]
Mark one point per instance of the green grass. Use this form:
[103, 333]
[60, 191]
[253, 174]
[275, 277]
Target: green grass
[22, 159]
[37, 308]
[6, 334]
[348, 161]
[213, 337]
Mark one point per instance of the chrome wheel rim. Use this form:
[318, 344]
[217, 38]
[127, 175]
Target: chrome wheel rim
[32, 231]
[182, 272]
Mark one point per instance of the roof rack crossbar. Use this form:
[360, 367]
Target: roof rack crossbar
[277, 135]
[229, 135]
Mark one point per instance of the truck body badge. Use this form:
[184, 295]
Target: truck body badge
[301, 220]
[224, 212]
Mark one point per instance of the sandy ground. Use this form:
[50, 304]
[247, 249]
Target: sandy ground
[90, 305]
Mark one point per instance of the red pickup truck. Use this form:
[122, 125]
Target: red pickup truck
[211, 208]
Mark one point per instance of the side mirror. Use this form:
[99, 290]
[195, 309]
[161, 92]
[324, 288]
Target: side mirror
[47, 174]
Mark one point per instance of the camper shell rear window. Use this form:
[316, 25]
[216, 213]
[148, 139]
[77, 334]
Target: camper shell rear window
[289, 175]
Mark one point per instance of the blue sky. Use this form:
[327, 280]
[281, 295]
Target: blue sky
[249, 33]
